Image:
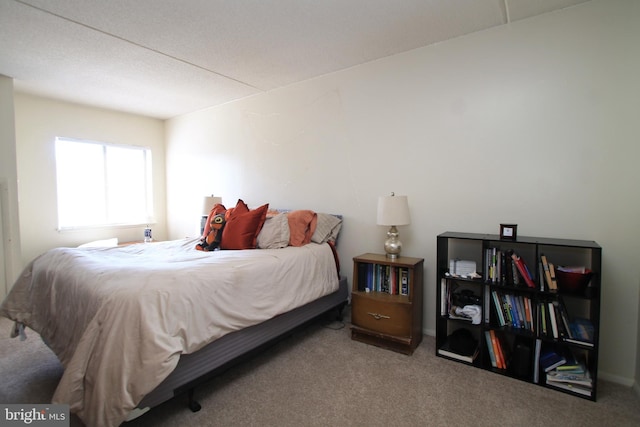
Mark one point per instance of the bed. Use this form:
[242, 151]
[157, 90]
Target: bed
[134, 326]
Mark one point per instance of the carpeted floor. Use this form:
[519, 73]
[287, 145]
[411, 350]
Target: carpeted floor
[320, 377]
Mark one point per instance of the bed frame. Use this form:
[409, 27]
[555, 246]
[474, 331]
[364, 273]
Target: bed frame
[196, 368]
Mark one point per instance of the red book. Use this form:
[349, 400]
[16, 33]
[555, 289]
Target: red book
[497, 350]
[524, 272]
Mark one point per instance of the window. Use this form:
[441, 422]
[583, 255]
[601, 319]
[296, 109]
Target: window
[102, 184]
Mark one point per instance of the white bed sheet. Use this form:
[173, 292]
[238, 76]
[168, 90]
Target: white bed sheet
[119, 318]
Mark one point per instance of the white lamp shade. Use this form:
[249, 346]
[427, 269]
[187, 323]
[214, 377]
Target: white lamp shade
[393, 210]
[208, 203]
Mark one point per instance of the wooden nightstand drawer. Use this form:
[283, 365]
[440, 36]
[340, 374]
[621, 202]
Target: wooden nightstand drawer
[389, 318]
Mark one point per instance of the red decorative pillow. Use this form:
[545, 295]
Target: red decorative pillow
[242, 228]
[241, 207]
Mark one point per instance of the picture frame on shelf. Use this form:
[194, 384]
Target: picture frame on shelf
[508, 231]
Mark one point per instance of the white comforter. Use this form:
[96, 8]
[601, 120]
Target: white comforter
[119, 318]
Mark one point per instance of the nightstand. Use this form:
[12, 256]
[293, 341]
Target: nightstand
[386, 301]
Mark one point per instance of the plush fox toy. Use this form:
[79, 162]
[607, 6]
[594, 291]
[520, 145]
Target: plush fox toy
[211, 241]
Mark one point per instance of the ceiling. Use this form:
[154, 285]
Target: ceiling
[164, 58]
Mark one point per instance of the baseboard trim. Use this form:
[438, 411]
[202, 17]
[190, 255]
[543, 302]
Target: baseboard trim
[616, 379]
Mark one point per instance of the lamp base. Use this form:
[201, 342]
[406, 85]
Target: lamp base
[392, 246]
[203, 223]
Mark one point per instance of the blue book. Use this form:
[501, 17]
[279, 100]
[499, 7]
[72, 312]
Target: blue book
[550, 359]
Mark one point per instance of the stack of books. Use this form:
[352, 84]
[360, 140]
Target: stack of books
[566, 373]
[573, 378]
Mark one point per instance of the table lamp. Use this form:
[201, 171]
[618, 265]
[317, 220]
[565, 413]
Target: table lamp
[393, 211]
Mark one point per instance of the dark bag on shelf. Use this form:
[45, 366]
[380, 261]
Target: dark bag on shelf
[462, 342]
[465, 297]
[521, 362]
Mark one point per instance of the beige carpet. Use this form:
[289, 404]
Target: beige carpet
[320, 377]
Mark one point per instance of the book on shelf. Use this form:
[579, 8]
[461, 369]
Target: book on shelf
[499, 350]
[552, 271]
[494, 265]
[509, 302]
[562, 322]
[522, 304]
[581, 332]
[384, 279]
[550, 280]
[460, 345]
[506, 312]
[404, 281]
[517, 308]
[492, 354]
[536, 361]
[574, 341]
[523, 270]
[510, 275]
[496, 349]
[444, 297]
[532, 326]
[498, 308]
[487, 304]
[490, 265]
[583, 379]
[562, 313]
[551, 359]
[541, 277]
[572, 367]
[574, 388]
[542, 318]
[515, 276]
[552, 317]
[580, 342]
[445, 350]
[362, 277]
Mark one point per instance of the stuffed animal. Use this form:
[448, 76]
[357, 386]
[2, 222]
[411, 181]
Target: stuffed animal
[211, 241]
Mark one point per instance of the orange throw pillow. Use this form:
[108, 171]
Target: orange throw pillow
[302, 224]
[242, 228]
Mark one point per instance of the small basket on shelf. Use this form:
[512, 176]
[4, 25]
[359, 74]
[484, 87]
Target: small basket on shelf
[574, 280]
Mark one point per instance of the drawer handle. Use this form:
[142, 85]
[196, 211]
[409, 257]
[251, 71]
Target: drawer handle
[378, 316]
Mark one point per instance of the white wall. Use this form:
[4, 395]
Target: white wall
[9, 221]
[533, 123]
[38, 122]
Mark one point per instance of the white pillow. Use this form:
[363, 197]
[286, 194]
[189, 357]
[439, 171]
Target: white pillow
[275, 233]
[327, 228]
